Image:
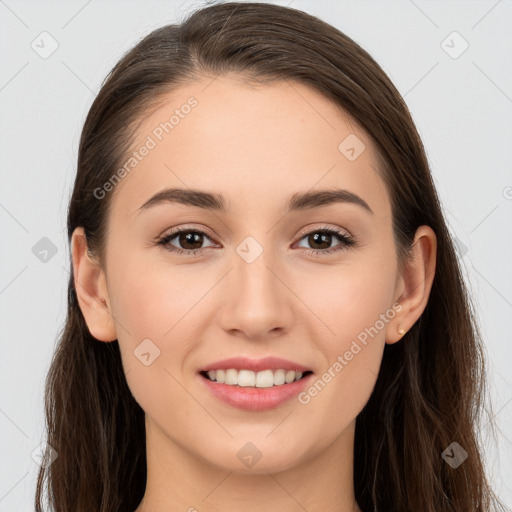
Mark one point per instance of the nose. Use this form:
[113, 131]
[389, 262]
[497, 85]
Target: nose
[255, 301]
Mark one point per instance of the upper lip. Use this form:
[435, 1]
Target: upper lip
[256, 365]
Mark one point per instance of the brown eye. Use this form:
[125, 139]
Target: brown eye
[189, 241]
[321, 239]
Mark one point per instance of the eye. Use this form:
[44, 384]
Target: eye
[191, 241]
[324, 237]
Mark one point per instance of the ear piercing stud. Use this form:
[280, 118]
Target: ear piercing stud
[401, 331]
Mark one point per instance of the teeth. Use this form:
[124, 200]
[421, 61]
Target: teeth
[247, 378]
[231, 377]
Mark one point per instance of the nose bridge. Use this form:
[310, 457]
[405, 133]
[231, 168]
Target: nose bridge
[255, 280]
[253, 270]
[256, 299]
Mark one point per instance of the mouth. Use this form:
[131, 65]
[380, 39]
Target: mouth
[255, 391]
[249, 379]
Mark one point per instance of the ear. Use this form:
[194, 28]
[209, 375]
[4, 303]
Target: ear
[414, 283]
[91, 289]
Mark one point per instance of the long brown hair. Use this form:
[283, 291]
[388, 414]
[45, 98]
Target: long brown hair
[431, 384]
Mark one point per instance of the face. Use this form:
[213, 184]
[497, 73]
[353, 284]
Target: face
[314, 285]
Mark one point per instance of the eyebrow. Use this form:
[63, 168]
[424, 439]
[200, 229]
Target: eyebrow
[216, 202]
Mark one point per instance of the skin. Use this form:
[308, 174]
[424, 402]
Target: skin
[257, 145]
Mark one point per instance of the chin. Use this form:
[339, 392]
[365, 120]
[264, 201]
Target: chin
[256, 458]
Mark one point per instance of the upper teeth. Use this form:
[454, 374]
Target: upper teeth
[264, 379]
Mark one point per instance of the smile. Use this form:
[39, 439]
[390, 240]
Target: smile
[251, 392]
[248, 378]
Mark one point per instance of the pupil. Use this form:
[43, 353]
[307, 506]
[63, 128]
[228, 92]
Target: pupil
[322, 236]
[188, 238]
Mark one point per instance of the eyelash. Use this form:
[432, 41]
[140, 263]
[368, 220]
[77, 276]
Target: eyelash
[347, 241]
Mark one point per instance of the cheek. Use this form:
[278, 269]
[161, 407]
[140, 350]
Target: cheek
[153, 300]
[153, 342]
[152, 309]
[353, 303]
[352, 355]
[348, 299]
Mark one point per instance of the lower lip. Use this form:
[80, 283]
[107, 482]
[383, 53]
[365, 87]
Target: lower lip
[256, 399]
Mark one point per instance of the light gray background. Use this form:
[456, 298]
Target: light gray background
[462, 107]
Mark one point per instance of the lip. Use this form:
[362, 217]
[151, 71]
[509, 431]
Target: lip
[256, 365]
[256, 399]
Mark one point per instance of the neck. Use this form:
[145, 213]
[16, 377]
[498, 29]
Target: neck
[179, 480]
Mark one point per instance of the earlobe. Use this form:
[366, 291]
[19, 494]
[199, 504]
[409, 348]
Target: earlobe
[91, 289]
[415, 283]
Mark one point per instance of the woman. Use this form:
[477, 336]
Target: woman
[255, 369]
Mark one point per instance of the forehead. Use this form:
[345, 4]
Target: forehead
[248, 142]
